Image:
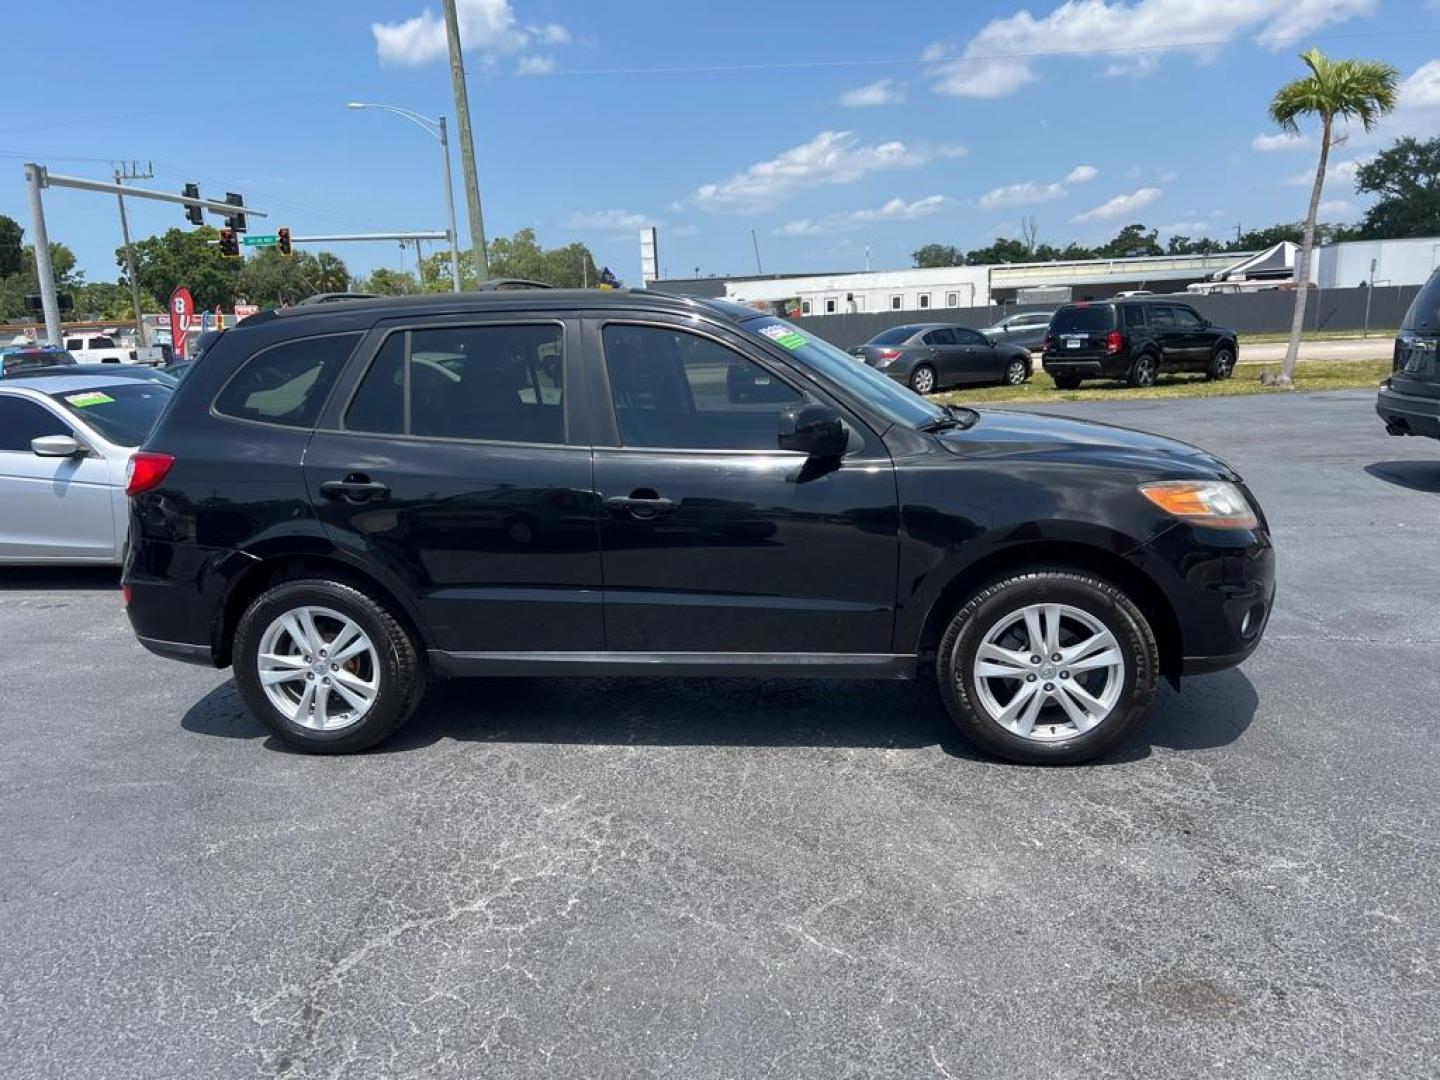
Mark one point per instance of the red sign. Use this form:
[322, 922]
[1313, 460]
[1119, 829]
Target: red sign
[244, 311]
[182, 314]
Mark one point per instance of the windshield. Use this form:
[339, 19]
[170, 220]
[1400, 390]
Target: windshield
[1073, 320]
[899, 405]
[122, 414]
[896, 335]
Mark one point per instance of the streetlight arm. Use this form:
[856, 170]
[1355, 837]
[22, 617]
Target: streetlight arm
[425, 123]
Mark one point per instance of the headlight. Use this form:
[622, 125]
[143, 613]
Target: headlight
[1217, 503]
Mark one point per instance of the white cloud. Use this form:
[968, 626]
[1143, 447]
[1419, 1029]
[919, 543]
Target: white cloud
[1334, 206]
[880, 92]
[1167, 176]
[936, 50]
[1120, 205]
[684, 230]
[1082, 174]
[486, 26]
[831, 157]
[1269, 144]
[606, 220]
[1337, 170]
[894, 210]
[1001, 58]
[1187, 228]
[1025, 194]
[536, 65]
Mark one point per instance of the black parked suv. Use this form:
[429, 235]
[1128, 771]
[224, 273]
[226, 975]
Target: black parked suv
[1409, 400]
[344, 499]
[1134, 340]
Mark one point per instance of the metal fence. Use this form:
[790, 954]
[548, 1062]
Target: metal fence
[1246, 313]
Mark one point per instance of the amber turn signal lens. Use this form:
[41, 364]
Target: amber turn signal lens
[1216, 503]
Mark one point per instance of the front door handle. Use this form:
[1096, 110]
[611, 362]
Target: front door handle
[641, 503]
[354, 488]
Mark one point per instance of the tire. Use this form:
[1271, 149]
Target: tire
[1222, 364]
[1016, 372]
[1066, 382]
[1143, 372]
[387, 674]
[1086, 605]
[922, 379]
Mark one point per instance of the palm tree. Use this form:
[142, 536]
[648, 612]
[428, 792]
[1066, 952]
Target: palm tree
[1363, 90]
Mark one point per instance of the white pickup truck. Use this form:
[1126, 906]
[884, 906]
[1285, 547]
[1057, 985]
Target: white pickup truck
[97, 349]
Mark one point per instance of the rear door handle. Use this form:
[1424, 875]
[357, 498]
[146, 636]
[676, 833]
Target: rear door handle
[354, 489]
[640, 504]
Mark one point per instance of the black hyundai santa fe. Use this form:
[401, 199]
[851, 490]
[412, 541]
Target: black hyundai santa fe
[346, 499]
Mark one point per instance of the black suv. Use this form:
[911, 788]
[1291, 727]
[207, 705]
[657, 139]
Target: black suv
[1409, 400]
[345, 498]
[1134, 340]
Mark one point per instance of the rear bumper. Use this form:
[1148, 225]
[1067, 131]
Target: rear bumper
[1408, 414]
[179, 650]
[1111, 367]
[177, 597]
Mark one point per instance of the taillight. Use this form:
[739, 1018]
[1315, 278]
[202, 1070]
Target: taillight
[128, 593]
[1049, 343]
[889, 354]
[1113, 341]
[146, 469]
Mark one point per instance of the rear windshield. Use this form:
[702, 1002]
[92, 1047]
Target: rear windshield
[1424, 313]
[896, 335]
[1080, 320]
[122, 413]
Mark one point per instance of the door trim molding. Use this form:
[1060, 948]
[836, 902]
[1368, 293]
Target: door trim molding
[675, 664]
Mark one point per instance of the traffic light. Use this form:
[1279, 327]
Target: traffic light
[282, 240]
[236, 220]
[229, 243]
[194, 214]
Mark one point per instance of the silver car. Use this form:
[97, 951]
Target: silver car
[65, 444]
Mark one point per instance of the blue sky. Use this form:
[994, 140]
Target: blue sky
[825, 127]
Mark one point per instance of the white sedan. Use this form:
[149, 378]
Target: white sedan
[65, 444]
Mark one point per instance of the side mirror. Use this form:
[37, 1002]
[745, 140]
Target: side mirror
[815, 430]
[56, 446]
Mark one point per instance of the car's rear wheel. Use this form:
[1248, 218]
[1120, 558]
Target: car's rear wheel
[1222, 364]
[324, 667]
[1048, 667]
[1143, 371]
[1016, 372]
[922, 379]
[1066, 382]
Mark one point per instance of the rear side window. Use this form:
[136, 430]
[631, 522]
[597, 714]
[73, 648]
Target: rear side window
[1424, 313]
[1083, 319]
[287, 383]
[1162, 315]
[21, 421]
[499, 383]
[944, 336]
[1134, 316]
[896, 335]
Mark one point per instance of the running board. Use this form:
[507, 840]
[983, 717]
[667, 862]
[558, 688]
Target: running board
[676, 664]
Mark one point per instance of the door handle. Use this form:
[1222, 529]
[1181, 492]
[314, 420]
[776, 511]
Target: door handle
[354, 488]
[641, 503]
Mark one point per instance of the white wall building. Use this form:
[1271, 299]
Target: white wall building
[881, 290]
[1396, 262]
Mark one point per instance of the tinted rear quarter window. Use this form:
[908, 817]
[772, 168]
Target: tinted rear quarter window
[896, 335]
[1084, 319]
[1424, 313]
[287, 383]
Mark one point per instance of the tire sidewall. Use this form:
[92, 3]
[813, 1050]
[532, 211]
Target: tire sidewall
[1219, 371]
[915, 379]
[396, 661]
[1010, 367]
[1145, 372]
[1091, 595]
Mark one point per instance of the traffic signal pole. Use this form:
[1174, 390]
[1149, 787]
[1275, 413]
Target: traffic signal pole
[467, 141]
[142, 333]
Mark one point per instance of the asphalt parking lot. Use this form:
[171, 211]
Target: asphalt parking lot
[744, 879]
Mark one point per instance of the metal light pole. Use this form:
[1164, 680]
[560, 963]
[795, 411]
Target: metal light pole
[142, 332]
[467, 141]
[436, 130]
[49, 298]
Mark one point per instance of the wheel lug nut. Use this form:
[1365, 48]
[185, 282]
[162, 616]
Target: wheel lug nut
[1049, 688]
[1034, 659]
[309, 674]
[336, 667]
[1029, 678]
[1054, 656]
[326, 681]
[307, 659]
[1064, 674]
[322, 653]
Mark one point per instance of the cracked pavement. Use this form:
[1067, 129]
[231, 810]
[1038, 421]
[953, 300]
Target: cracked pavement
[711, 878]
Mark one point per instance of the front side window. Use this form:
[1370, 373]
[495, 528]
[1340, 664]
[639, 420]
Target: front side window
[74, 343]
[287, 383]
[500, 383]
[675, 389]
[21, 421]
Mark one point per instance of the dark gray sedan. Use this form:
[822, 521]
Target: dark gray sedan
[933, 356]
[1027, 329]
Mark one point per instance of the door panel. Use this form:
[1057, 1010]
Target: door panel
[748, 549]
[50, 508]
[495, 538]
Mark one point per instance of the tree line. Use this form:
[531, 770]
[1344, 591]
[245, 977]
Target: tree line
[1404, 180]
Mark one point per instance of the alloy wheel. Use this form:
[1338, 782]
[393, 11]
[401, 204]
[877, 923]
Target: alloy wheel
[1015, 373]
[318, 668]
[923, 381]
[1048, 672]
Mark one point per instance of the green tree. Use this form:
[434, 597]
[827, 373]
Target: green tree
[935, 255]
[185, 257]
[15, 287]
[110, 300]
[1132, 240]
[12, 246]
[393, 282]
[1183, 245]
[1003, 250]
[518, 256]
[1363, 90]
[329, 273]
[1406, 181]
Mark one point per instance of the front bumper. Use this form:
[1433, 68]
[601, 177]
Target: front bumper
[1408, 414]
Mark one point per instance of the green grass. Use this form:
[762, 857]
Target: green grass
[1314, 375]
[1314, 335]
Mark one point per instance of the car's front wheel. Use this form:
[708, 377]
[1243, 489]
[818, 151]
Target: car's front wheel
[1048, 667]
[324, 667]
[1222, 364]
[1016, 372]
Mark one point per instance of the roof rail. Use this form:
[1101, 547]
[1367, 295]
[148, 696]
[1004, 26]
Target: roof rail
[495, 284]
[333, 297]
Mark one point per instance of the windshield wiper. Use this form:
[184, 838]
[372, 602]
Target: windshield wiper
[956, 416]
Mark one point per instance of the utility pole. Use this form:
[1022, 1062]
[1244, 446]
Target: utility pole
[35, 179]
[756, 243]
[467, 141]
[123, 173]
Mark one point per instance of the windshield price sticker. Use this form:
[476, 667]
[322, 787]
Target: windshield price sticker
[81, 401]
[784, 336]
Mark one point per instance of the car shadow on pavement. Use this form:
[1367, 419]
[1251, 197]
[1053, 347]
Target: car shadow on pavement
[1213, 711]
[40, 578]
[1415, 475]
